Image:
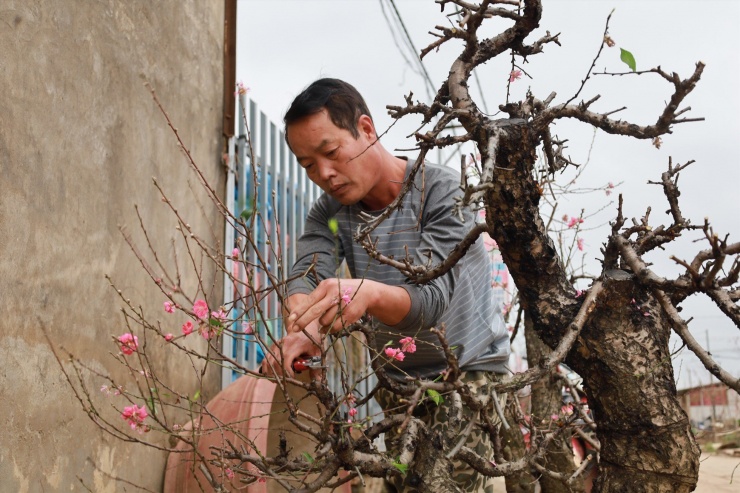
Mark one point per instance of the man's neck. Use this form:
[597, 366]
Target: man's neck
[392, 173]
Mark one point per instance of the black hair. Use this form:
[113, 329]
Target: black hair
[342, 102]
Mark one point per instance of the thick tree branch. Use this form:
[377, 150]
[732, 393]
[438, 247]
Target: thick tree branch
[662, 126]
[682, 329]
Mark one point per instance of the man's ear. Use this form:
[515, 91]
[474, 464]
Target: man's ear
[366, 127]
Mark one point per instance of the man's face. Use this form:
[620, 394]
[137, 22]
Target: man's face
[333, 159]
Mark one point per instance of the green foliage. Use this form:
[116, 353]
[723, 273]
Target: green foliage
[628, 58]
[334, 225]
[435, 396]
[401, 467]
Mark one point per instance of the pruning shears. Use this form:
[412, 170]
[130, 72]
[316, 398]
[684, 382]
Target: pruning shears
[313, 363]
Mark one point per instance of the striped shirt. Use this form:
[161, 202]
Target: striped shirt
[460, 299]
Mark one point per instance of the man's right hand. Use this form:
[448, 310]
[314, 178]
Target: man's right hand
[279, 357]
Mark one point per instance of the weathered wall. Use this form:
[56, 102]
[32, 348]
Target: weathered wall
[80, 139]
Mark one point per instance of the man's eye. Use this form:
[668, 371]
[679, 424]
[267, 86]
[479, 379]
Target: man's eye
[332, 153]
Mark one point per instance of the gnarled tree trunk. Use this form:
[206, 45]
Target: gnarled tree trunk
[623, 352]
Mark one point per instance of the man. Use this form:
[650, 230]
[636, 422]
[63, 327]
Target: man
[329, 129]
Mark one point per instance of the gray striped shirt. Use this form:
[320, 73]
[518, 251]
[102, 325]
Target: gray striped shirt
[461, 299]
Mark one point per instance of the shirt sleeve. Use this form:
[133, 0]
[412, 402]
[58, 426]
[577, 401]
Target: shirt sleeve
[441, 231]
[318, 251]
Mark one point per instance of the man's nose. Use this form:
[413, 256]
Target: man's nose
[326, 170]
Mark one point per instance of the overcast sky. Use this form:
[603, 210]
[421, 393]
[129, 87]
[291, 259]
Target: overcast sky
[283, 45]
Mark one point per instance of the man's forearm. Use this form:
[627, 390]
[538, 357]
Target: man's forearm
[391, 304]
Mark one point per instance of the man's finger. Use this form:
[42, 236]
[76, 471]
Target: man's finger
[314, 312]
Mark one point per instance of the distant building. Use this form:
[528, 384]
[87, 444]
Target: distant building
[709, 404]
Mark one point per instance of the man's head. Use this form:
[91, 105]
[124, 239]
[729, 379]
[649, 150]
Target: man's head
[341, 100]
[329, 129]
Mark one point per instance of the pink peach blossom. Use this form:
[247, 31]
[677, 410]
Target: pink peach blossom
[169, 307]
[187, 328]
[200, 309]
[168, 337]
[515, 75]
[394, 353]
[353, 412]
[219, 315]
[580, 243]
[408, 345]
[574, 221]
[129, 343]
[247, 328]
[241, 89]
[235, 253]
[135, 416]
[229, 473]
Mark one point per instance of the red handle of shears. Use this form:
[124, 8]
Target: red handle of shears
[300, 365]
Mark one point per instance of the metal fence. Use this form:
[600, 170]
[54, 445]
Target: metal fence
[265, 184]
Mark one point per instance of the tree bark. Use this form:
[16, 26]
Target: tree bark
[646, 439]
[546, 401]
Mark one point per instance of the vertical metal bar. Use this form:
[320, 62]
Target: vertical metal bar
[263, 223]
[251, 359]
[293, 195]
[273, 246]
[283, 191]
[244, 164]
[227, 341]
[299, 199]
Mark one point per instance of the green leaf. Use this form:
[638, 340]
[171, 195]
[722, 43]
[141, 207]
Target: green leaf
[627, 58]
[196, 396]
[214, 322]
[246, 214]
[401, 467]
[308, 457]
[333, 225]
[151, 405]
[435, 396]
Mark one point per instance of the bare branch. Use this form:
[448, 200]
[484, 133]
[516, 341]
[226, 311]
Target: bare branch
[682, 329]
[660, 127]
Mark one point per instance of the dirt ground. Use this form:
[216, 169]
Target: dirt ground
[715, 473]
